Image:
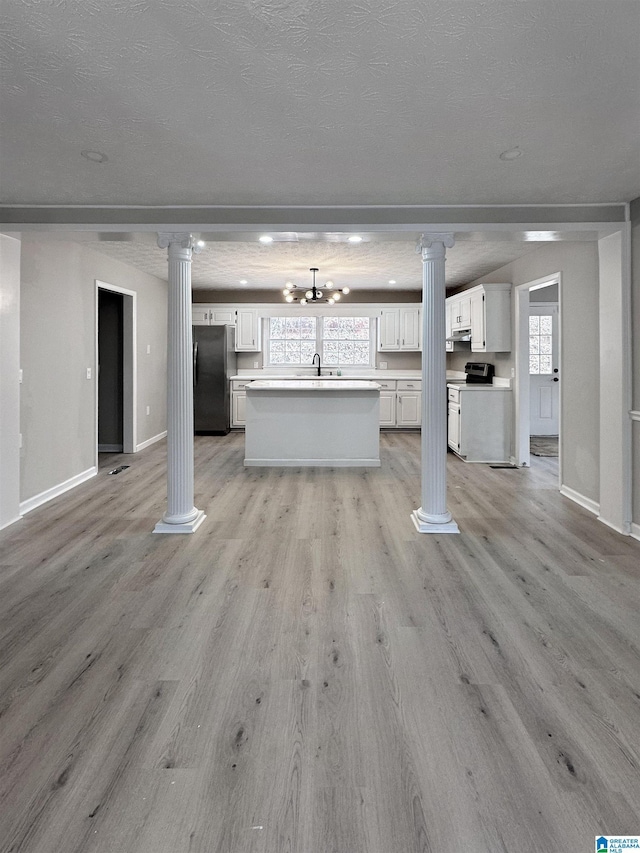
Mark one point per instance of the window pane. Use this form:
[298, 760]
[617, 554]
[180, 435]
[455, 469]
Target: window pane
[307, 350]
[331, 353]
[534, 344]
[361, 353]
[546, 325]
[292, 352]
[331, 328]
[347, 352]
[545, 364]
[308, 328]
[292, 327]
[534, 364]
[545, 344]
[361, 327]
[534, 325]
[276, 351]
[276, 327]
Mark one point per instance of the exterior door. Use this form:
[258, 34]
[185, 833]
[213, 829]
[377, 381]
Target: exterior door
[544, 377]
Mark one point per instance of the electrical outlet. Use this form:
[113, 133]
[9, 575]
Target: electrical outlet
[148, 410]
[88, 373]
[148, 349]
[20, 375]
[383, 365]
[255, 364]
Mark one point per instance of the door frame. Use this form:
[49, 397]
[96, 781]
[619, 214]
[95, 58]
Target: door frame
[129, 367]
[522, 385]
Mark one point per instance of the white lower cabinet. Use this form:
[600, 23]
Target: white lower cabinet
[400, 402]
[387, 408]
[479, 423]
[238, 402]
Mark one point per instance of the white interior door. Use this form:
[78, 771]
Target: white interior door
[544, 377]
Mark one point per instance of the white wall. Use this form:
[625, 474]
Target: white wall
[578, 263]
[9, 385]
[58, 409]
[635, 314]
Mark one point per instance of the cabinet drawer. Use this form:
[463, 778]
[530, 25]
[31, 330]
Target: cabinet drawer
[409, 385]
[239, 384]
[453, 394]
[386, 384]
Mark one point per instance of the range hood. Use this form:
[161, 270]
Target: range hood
[460, 335]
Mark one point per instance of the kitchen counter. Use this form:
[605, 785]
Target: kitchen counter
[312, 422]
[269, 375]
[345, 385]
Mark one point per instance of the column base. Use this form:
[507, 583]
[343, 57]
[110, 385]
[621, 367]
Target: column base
[184, 527]
[423, 526]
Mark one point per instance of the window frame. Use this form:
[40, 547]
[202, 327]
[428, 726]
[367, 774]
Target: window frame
[319, 318]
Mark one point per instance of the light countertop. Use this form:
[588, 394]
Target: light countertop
[371, 375]
[311, 385]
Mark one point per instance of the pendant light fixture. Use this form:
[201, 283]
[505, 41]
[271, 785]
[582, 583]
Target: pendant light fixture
[314, 295]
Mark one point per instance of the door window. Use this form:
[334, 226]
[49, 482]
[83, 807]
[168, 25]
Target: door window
[540, 344]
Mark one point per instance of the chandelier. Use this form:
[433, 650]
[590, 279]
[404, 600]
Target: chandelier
[293, 294]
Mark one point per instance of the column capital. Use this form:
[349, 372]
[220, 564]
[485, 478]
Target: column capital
[433, 245]
[183, 240]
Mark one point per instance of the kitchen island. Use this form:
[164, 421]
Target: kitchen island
[312, 422]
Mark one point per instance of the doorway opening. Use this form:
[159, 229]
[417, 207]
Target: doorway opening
[115, 360]
[538, 371]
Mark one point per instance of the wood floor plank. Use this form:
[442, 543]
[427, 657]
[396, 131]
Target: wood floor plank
[306, 673]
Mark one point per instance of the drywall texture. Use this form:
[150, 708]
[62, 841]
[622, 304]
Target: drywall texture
[579, 323]
[9, 385]
[58, 323]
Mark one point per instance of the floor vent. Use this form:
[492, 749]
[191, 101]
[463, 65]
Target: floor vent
[117, 470]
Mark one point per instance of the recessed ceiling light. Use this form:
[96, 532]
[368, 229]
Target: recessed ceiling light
[355, 238]
[266, 239]
[511, 154]
[243, 281]
[94, 156]
[392, 281]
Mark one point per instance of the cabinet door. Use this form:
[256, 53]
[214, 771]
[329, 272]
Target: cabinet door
[226, 315]
[409, 408]
[238, 408]
[448, 328]
[465, 312]
[388, 408]
[389, 330]
[453, 427]
[410, 329]
[200, 315]
[478, 340]
[248, 330]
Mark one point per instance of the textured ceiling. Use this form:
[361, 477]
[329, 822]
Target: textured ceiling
[365, 266]
[332, 102]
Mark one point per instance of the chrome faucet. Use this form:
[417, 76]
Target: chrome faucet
[313, 361]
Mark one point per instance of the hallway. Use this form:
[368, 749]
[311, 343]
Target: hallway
[307, 674]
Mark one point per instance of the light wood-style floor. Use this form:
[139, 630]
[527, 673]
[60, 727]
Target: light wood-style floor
[307, 674]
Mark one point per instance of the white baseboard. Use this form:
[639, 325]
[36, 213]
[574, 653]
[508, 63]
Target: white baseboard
[55, 491]
[635, 530]
[626, 531]
[587, 503]
[13, 521]
[151, 441]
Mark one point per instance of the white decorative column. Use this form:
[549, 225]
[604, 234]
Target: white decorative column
[432, 516]
[181, 515]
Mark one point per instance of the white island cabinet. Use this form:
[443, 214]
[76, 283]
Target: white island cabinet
[312, 422]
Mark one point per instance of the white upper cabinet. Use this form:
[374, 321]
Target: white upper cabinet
[491, 318]
[399, 329]
[207, 313]
[461, 311]
[248, 338]
[486, 310]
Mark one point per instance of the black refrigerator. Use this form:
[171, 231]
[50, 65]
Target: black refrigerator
[214, 363]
